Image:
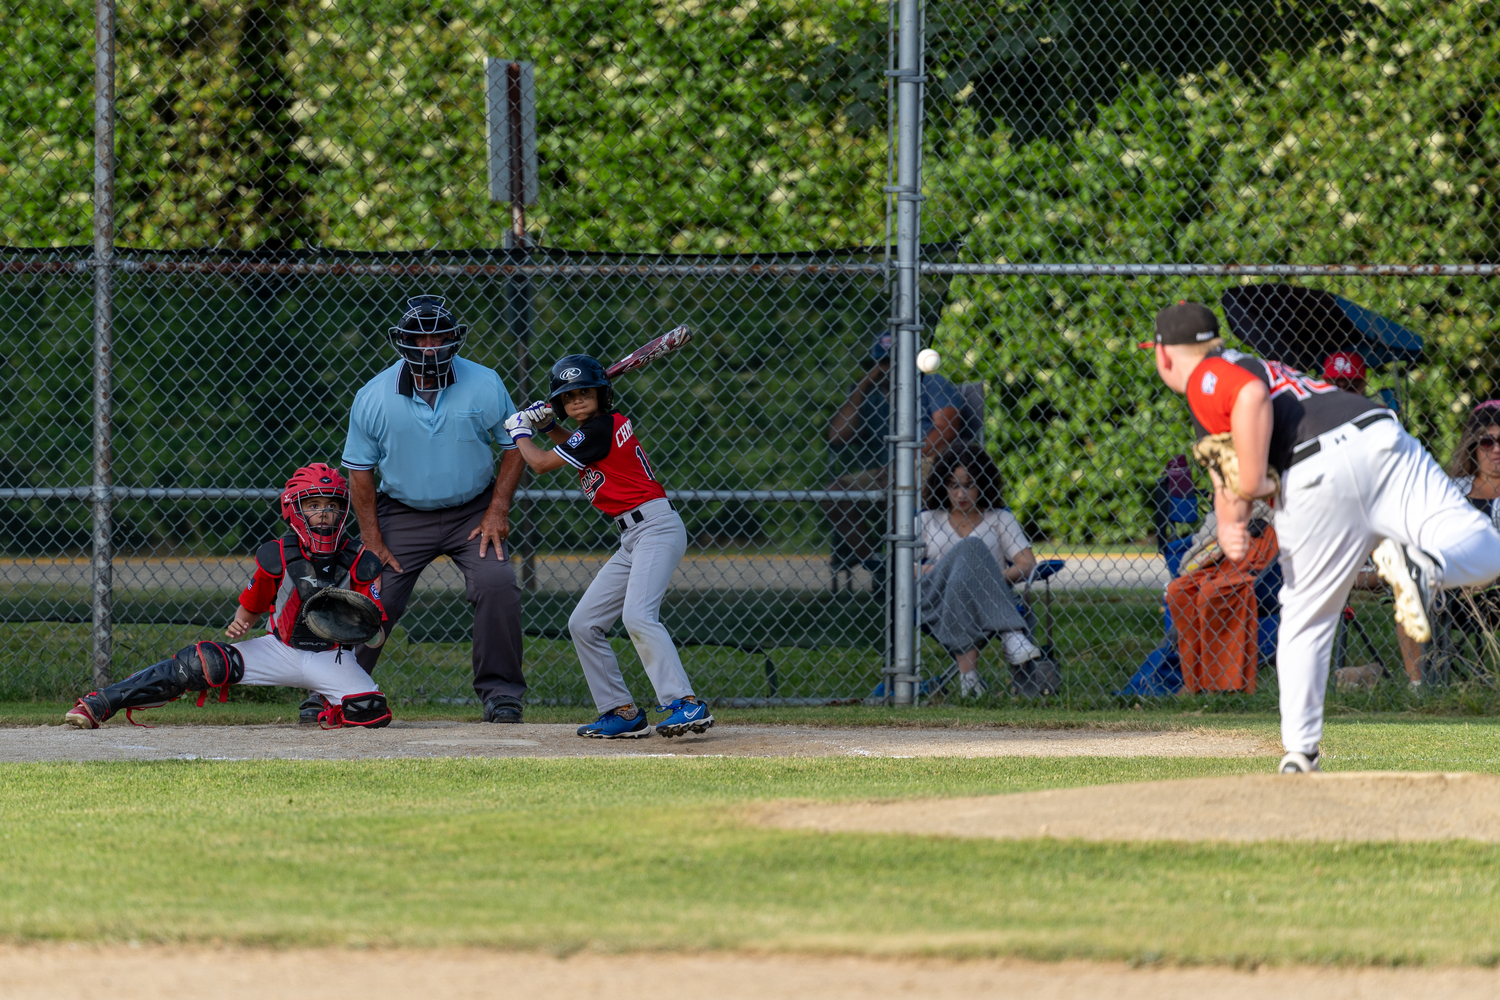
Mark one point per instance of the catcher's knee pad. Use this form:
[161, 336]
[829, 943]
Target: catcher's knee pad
[205, 665]
[368, 709]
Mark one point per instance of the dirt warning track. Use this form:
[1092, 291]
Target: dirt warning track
[160, 973]
[470, 739]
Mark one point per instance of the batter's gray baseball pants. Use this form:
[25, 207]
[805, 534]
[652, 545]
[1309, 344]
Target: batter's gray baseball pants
[631, 586]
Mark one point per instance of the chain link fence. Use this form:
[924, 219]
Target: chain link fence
[1020, 187]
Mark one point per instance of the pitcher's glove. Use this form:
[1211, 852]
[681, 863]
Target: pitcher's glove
[343, 616]
[1216, 454]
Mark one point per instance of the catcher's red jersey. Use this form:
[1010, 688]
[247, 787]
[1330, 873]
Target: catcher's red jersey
[613, 469]
[285, 578]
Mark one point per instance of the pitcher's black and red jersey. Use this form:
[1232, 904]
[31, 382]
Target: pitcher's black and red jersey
[285, 578]
[1302, 407]
[613, 469]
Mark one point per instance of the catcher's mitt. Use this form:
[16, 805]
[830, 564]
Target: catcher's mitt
[344, 616]
[1216, 454]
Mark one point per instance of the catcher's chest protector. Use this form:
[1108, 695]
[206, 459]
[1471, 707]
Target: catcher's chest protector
[301, 578]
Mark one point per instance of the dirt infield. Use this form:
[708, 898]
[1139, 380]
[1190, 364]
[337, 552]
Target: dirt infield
[468, 739]
[1358, 806]
[128, 973]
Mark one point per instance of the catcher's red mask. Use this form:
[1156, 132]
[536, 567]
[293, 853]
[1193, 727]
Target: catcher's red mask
[319, 534]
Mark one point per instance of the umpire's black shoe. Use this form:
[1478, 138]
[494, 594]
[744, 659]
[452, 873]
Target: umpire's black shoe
[503, 708]
[307, 712]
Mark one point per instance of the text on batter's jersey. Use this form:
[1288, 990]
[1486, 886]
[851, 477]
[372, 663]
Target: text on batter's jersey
[613, 470]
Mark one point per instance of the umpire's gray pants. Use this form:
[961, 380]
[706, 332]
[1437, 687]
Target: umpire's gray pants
[416, 538]
[631, 586]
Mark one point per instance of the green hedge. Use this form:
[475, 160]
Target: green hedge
[757, 128]
[1381, 150]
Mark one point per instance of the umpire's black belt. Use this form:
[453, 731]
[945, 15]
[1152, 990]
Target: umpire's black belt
[635, 516]
[1308, 449]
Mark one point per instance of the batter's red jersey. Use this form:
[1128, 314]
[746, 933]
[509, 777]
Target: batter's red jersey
[613, 469]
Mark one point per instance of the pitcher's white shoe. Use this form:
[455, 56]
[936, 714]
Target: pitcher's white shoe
[1413, 577]
[1297, 762]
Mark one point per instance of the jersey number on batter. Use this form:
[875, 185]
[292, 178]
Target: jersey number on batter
[591, 480]
[640, 453]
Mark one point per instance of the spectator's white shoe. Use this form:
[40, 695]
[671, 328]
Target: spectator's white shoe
[1018, 647]
[972, 685]
[1297, 762]
[1413, 577]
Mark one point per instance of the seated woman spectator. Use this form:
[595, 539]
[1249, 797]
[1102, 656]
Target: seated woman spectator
[1475, 468]
[973, 551]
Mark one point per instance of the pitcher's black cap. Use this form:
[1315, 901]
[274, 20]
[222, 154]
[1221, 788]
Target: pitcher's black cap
[1185, 323]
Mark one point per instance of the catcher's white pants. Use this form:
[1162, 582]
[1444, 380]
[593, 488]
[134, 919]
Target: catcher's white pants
[269, 661]
[1361, 487]
[631, 586]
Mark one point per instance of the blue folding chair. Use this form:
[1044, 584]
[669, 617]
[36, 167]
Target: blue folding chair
[1160, 674]
[1042, 573]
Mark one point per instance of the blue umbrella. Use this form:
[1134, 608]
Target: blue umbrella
[1385, 339]
[1302, 326]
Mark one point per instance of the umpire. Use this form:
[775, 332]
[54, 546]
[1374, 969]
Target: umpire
[428, 423]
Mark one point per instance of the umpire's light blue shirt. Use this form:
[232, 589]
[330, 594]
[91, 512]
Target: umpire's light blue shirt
[436, 456]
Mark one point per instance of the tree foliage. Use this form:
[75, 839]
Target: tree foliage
[1058, 132]
[1380, 147]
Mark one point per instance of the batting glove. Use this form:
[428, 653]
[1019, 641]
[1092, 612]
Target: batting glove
[540, 416]
[517, 426]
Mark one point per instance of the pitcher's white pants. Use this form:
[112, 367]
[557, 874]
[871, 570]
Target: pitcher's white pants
[1361, 487]
[631, 586]
[331, 673]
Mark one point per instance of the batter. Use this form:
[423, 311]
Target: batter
[617, 478]
[1351, 481]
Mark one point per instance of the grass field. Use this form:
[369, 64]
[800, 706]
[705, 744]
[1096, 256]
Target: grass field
[658, 854]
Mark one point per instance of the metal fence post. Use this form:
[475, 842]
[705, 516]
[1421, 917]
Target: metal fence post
[104, 251]
[907, 328]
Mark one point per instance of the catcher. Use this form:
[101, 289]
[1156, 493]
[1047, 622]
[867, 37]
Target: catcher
[322, 589]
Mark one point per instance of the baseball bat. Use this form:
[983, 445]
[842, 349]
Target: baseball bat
[648, 352]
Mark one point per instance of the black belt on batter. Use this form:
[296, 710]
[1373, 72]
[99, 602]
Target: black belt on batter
[1308, 449]
[635, 516]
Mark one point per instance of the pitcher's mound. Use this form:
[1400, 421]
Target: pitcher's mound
[1359, 805]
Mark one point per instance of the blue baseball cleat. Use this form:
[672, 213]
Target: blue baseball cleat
[686, 715]
[611, 726]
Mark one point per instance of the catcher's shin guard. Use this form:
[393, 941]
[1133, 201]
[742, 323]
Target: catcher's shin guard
[367, 710]
[152, 687]
[198, 667]
[205, 665]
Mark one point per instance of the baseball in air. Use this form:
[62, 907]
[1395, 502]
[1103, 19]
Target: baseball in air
[928, 360]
